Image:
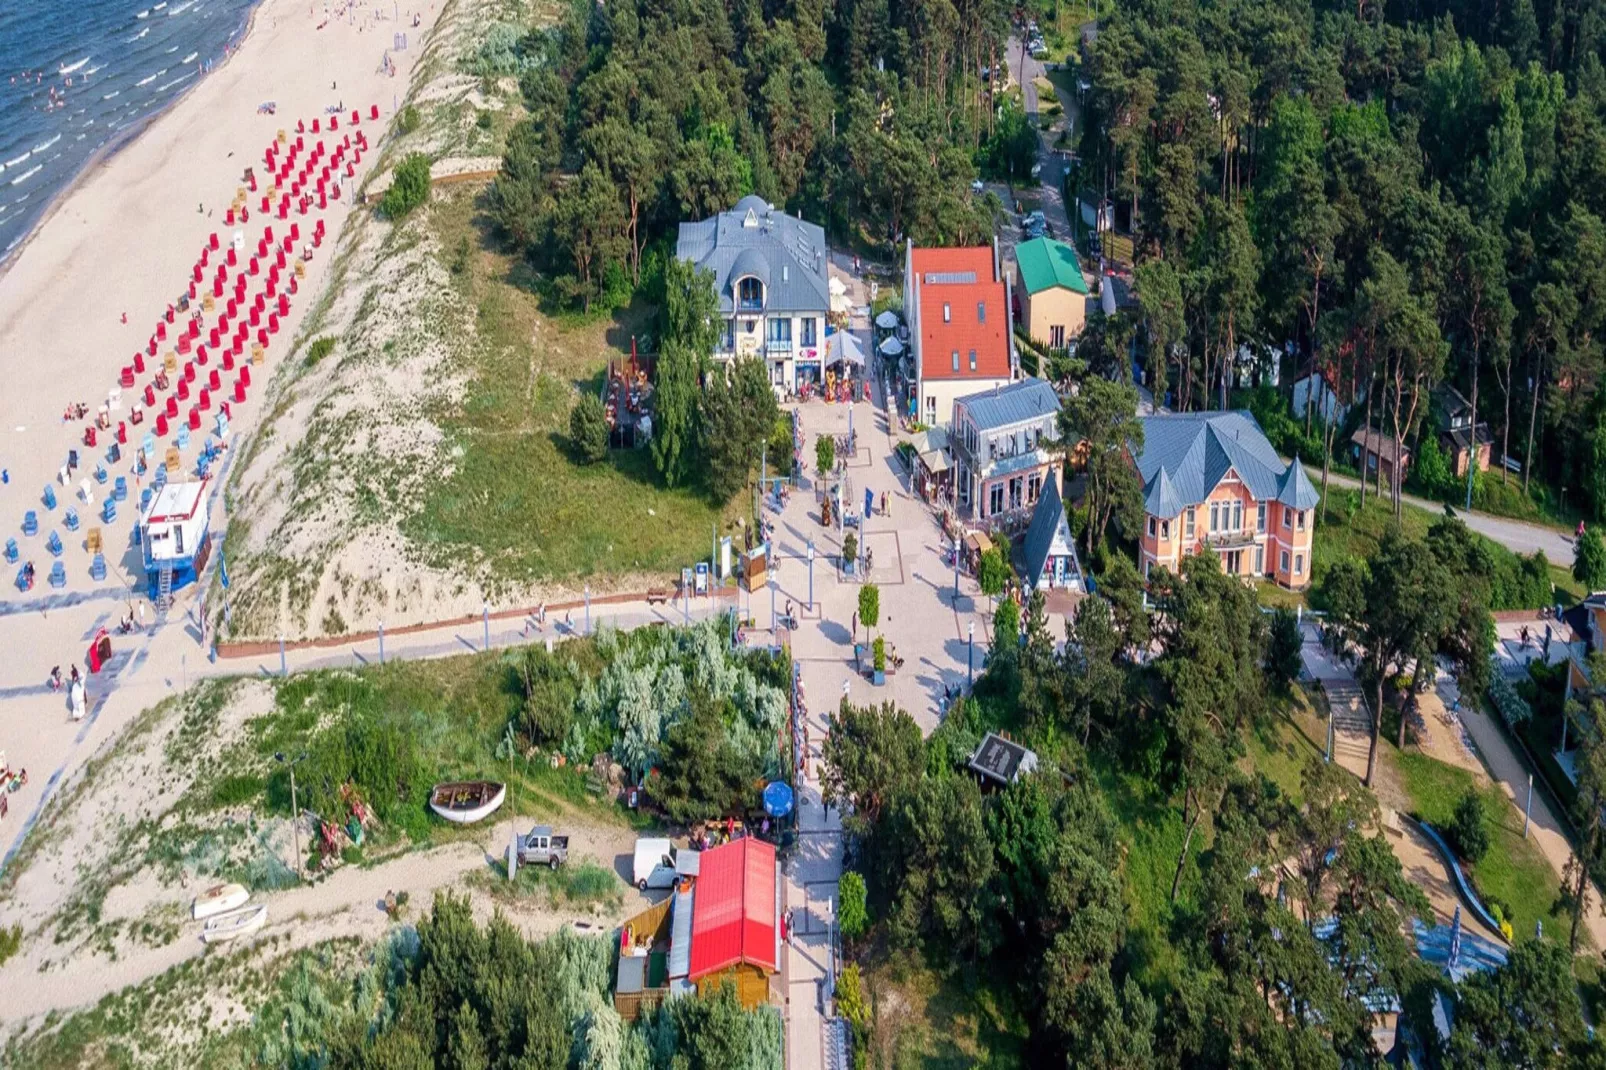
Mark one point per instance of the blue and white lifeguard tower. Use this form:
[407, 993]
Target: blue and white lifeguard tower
[176, 538]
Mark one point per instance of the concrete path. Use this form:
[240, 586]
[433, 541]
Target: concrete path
[921, 619]
[1517, 535]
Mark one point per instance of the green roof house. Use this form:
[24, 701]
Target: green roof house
[1053, 292]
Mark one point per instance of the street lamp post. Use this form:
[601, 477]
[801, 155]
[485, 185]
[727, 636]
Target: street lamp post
[811, 574]
[956, 570]
[970, 657]
[295, 806]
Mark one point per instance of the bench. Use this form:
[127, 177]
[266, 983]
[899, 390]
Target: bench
[657, 596]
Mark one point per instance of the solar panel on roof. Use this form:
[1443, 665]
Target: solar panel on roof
[950, 278]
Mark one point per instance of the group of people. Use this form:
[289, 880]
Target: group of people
[77, 697]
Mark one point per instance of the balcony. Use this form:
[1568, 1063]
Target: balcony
[1231, 540]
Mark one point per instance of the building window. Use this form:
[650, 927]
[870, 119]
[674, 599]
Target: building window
[1165, 529]
[1285, 561]
[972, 360]
[780, 331]
[1260, 560]
[730, 334]
[1260, 518]
[750, 294]
[1301, 520]
[809, 337]
[981, 311]
[996, 499]
[1215, 517]
[1299, 564]
[931, 409]
[1188, 523]
[1288, 519]
[1056, 336]
[1237, 516]
[947, 312]
[1153, 527]
[956, 360]
[1014, 493]
[1033, 486]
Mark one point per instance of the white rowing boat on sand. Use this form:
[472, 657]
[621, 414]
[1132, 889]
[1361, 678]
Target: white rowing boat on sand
[235, 924]
[220, 899]
[467, 801]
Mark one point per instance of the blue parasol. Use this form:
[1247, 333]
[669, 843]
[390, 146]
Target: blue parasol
[778, 799]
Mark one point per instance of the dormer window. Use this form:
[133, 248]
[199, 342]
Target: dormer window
[750, 294]
[947, 312]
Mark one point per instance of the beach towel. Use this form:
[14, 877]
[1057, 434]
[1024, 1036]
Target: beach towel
[76, 700]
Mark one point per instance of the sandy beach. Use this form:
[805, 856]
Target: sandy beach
[124, 240]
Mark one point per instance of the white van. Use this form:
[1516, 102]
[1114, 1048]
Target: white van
[654, 864]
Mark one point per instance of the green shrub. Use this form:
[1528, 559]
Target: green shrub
[483, 120]
[409, 187]
[408, 120]
[853, 917]
[236, 789]
[10, 941]
[880, 647]
[320, 348]
[1469, 829]
[588, 429]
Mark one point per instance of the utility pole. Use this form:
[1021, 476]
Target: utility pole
[295, 804]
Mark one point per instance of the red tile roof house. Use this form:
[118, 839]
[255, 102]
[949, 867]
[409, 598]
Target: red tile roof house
[957, 304]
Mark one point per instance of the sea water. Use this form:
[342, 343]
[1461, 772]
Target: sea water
[76, 81]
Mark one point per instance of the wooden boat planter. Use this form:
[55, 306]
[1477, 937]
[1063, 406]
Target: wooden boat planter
[464, 802]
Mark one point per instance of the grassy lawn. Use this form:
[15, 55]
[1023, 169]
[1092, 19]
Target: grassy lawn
[925, 1019]
[513, 498]
[1349, 531]
[1514, 871]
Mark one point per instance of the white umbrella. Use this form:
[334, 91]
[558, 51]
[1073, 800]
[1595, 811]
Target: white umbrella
[887, 320]
[891, 346]
[837, 286]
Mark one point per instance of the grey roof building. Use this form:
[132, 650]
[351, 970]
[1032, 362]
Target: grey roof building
[1212, 484]
[1185, 456]
[1003, 443]
[753, 240]
[1049, 551]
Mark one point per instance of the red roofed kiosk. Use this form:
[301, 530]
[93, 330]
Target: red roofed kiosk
[736, 920]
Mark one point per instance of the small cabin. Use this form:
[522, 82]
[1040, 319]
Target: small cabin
[175, 535]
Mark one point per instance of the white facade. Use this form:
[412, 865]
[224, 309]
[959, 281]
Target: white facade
[786, 342]
[174, 527]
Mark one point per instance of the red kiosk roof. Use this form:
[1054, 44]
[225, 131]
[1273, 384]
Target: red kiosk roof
[734, 908]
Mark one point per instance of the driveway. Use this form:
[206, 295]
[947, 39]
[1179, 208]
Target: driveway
[1516, 535]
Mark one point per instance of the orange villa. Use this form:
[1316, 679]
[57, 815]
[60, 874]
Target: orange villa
[1213, 484]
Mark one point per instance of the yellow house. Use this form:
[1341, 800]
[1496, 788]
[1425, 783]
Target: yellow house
[1053, 291]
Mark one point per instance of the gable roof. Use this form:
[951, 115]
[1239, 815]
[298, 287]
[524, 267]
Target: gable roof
[734, 913]
[963, 280]
[1046, 263]
[1048, 530]
[784, 252]
[1027, 399]
[1185, 455]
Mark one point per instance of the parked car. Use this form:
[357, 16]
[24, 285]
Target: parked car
[978, 186]
[1037, 170]
[539, 847]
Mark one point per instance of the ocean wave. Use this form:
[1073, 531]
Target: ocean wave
[170, 51]
[73, 67]
[94, 70]
[180, 9]
[138, 35]
[46, 144]
[189, 58]
[149, 78]
[144, 14]
[113, 93]
[19, 159]
[26, 175]
[174, 82]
